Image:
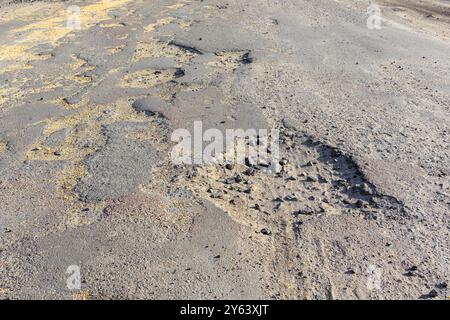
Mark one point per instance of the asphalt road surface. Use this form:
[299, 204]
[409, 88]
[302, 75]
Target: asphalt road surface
[90, 96]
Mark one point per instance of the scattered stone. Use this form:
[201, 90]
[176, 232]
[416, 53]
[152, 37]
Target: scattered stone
[229, 180]
[246, 58]
[433, 294]
[291, 198]
[179, 73]
[350, 271]
[192, 173]
[72, 100]
[185, 47]
[442, 285]
[297, 225]
[366, 189]
[361, 204]
[265, 231]
[264, 163]
[229, 166]
[306, 210]
[214, 194]
[249, 172]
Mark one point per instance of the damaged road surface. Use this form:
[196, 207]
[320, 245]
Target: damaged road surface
[358, 208]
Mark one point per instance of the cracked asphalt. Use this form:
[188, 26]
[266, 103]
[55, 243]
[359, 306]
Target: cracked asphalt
[359, 210]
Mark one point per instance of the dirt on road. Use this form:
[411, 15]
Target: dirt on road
[92, 91]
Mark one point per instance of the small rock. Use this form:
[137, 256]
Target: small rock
[229, 166]
[433, 294]
[229, 180]
[306, 210]
[350, 271]
[442, 285]
[247, 58]
[291, 198]
[179, 73]
[265, 231]
[361, 204]
[249, 171]
[214, 194]
[412, 268]
[72, 100]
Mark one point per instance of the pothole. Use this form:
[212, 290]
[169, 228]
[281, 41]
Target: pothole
[315, 180]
